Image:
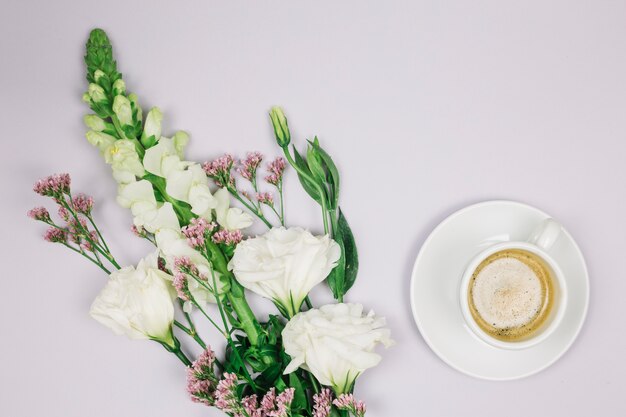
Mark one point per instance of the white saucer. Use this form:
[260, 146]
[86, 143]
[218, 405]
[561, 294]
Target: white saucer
[435, 290]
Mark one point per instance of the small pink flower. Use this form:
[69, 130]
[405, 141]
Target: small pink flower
[276, 169]
[225, 394]
[322, 403]
[220, 170]
[347, 402]
[228, 237]
[55, 235]
[64, 213]
[83, 204]
[182, 286]
[265, 198]
[201, 379]
[86, 244]
[39, 213]
[137, 231]
[250, 165]
[197, 231]
[53, 186]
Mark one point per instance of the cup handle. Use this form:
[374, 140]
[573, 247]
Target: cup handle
[546, 234]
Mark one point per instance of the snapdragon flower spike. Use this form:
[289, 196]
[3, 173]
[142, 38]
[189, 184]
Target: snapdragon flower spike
[322, 403]
[197, 231]
[53, 186]
[265, 198]
[276, 169]
[228, 237]
[220, 170]
[83, 204]
[40, 213]
[348, 403]
[55, 235]
[201, 379]
[226, 395]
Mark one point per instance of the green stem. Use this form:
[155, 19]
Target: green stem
[256, 212]
[282, 204]
[98, 233]
[88, 257]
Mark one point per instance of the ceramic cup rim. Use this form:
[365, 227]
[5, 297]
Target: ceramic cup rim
[556, 319]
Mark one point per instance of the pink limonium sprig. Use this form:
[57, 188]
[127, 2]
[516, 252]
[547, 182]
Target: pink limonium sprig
[226, 395]
[347, 402]
[220, 170]
[276, 169]
[201, 379]
[322, 403]
[76, 213]
[227, 237]
[198, 231]
[249, 167]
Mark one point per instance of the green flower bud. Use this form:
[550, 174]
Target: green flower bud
[98, 74]
[97, 93]
[100, 140]
[86, 98]
[152, 128]
[121, 108]
[281, 128]
[180, 140]
[119, 87]
[93, 122]
[135, 103]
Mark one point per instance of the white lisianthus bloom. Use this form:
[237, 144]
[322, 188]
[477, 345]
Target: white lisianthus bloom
[230, 218]
[123, 158]
[335, 343]
[284, 265]
[137, 302]
[121, 108]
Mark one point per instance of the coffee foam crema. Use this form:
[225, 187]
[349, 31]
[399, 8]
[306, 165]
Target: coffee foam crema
[510, 294]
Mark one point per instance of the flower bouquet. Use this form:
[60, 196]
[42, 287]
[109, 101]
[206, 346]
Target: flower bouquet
[302, 361]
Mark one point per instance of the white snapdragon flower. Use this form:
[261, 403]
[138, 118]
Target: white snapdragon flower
[230, 218]
[139, 198]
[94, 122]
[121, 108]
[124, 160]
[152, 127]
[335, 343]
[284, 265]
[137, 302]
[185, 181]
[100, 140]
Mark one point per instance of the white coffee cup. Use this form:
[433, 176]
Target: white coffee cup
[539, 243]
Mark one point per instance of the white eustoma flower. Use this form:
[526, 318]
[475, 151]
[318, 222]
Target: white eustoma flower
[124, 160]
[335, 343]
[284, 265]
[137, 302]
[230, 218]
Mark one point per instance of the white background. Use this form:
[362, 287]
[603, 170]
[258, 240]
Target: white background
[425, 106]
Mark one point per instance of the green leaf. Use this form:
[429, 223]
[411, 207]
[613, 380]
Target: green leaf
[351, 254]
[309, 187]
[342, 278]
[331, 168]
[299, 398]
